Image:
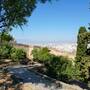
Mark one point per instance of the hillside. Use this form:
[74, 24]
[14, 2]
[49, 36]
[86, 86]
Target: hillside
[67, 49]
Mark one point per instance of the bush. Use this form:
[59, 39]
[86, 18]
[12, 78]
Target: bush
[5, 37]
[5, 50]
[84, 69]
[35, 52]
[41, 55]
[58, 67]
[8, 52]
[17, 54]
[61, 68]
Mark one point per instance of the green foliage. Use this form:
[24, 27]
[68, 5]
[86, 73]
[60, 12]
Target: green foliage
[17, 54]
[15, 12]
[61, 68]
[81, 44]
[35, 53]
[5, 37]
[8, 52]
[82, 55]
[41, 54]
[84, 69]
[5, 51]
[82, 30]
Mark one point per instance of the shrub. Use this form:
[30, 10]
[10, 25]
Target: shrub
[17, 54]
[35, 52]
[8, 52]
[84, 69]
[60, 67]
[41, 54]
[5, 50]
[5, 37]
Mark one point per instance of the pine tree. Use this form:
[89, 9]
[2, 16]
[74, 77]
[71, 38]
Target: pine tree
[82, 60]
[81, 44]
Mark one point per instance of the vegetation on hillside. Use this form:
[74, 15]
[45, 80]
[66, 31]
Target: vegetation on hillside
[41, 54]
[7, 51]
[83, 55]
[17, 54]
[5, 37]
[59, 67]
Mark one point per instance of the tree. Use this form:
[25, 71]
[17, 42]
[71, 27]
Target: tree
[82, 55]
[15, 12]
[81, 51]
[81, 44]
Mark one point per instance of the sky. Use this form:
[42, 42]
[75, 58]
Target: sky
[57, 21]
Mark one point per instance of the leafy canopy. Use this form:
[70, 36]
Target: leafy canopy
[5, 37]
[15, 12]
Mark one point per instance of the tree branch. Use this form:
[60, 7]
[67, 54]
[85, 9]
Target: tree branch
[4, 25]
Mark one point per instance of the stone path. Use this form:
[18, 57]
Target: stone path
[34, 81]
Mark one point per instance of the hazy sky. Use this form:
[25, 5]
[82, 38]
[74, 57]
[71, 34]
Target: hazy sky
[56, 21]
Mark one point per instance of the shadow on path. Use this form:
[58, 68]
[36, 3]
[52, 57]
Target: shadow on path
[80, 84]
[27, 76]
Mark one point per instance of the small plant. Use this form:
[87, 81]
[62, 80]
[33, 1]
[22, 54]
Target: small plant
[17, 54]
[5, 50]
[41, 55]
[5, 37]
[60, 67]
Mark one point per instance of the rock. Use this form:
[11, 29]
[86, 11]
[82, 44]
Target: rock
[7, 60]
[2, 81]
[30, 86]
[27, 86]
[9, 82]
[10, 89]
